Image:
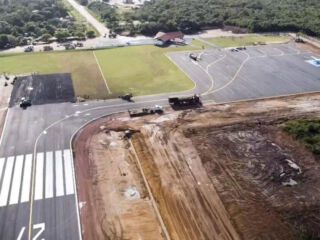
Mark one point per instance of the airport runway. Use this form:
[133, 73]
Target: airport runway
[37, 185]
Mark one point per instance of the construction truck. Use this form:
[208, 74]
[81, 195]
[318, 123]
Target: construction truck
[145, 111]
[185, 102]
[299, 40]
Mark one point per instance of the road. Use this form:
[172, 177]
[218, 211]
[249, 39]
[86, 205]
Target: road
[100, 27]
[38, 197]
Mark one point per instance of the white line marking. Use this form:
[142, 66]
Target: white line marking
[21, 233]
[1, 166]
[68, 171]
[39, 177]
[4, 126]
[105, 81]
[16, 181]
[6, 182]
[49, 175]
[25, 193]
[41, 227]
[59, 175]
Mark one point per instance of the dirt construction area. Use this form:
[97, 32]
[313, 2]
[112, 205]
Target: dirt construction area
[224, 171]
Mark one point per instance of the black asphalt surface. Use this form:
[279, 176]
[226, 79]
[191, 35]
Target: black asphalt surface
[257, 72]
[48, 128]
[43, 89]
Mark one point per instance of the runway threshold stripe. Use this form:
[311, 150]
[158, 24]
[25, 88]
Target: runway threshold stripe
[16, 181]
[59, 174]
[68, 172]
[26, 182]
[49, 175]
[1, 167]
[6, 182]
[38, 192]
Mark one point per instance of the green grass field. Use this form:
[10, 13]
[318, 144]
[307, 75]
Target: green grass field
[247, 40]
[142, 70]
[200, 45]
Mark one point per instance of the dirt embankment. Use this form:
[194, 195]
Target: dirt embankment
[221, 172]
[113, 198]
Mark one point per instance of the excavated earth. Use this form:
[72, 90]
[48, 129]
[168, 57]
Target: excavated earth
[220, 172]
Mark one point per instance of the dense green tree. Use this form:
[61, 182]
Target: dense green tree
[91, 34]
[35, 18]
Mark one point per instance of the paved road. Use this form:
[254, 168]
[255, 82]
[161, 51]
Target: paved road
[37, 186]
[100, 27]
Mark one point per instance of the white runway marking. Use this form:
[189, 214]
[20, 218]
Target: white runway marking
[53, 177]
[1, 166]
[49, 175]
[6, 182]
[38, 192]
[59, 175]
[16, 181]
[68, 171]
[25, 193]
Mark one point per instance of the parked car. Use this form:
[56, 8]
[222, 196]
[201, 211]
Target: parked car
[47, 48]
[29, 49]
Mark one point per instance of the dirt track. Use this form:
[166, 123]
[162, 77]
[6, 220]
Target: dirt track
[215, 173]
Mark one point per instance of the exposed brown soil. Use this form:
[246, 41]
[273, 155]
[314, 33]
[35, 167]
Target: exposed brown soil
[308, 47]
[222, 172]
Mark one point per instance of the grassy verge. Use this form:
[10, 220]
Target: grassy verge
[247, 40]
[200, 45]
[306, 131]
[142, 70]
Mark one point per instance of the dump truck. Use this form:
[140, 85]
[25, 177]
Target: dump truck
[145, 111]
[185, 102]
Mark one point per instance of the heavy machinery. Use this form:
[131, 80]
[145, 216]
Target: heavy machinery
[299, 40]
[25, 102]
[126, 97]
[145, 111]
[185, 102]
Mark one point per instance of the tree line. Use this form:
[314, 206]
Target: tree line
[22, 22]
[193, 15]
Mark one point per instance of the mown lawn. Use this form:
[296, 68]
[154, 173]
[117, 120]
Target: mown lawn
[86, 76]
[247, 40]
[200, 45]
[142, 70]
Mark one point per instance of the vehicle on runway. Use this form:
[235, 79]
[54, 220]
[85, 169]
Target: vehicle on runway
[25, 102]
[146, 111]
[193, 57]
[185, 102]
[126, 97]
